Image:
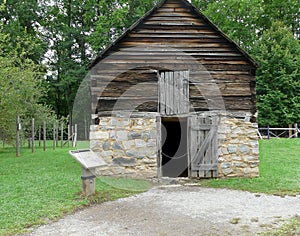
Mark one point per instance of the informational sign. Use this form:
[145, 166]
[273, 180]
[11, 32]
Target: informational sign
[87, 158]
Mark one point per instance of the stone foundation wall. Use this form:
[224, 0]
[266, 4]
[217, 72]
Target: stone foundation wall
[128, 145]
[238, 153]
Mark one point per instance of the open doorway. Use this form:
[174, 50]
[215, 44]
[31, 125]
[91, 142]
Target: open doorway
[174, 150]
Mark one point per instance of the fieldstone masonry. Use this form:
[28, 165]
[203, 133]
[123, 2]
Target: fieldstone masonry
[129, 146]
[238, 153]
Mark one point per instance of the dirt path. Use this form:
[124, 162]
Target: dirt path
[179, 210]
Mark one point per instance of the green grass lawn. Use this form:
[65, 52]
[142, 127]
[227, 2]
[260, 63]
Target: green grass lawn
[279, 170]
[42, 186]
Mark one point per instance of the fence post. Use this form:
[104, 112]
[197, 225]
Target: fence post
[72, 135]
[57, 133]
[62, 134]
[18, 136]
[32, 135]
[268, 132]
[54, 135]
[69, 135]
[44, 135]
[39, 133]
[290, 130]
[75, 136]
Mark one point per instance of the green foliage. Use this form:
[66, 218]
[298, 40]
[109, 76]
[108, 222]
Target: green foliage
[21, 89]
[240, 20]
[268, 30]
[44, 186]
[64, 36]
[113, 21]
[284, 11]
[66, 25]
[20, 21]
[278, 78]
[279, 170]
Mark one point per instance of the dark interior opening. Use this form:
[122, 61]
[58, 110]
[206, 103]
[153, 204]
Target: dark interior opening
[174, 154]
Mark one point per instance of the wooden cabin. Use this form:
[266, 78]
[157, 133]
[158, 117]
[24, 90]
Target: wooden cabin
[174, 96]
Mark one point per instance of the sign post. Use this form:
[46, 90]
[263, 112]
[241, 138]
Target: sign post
[89, 161]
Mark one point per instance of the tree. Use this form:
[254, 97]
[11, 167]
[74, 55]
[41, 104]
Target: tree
[65, 25]
[114, 17]
[21, 90]
[278, 77]
[20, 20]
[286, 11]
[240, 20]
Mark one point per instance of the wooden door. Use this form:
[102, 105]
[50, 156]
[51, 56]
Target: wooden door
[203, 147]
[174, 93]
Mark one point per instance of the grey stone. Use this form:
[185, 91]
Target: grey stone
[250, 158]
[94, 127]
[238, 164]
[107, 128]
[122, 135]
[106, 155]
[114, 121]
[99, 135]
[124, 122]
[244, 149]
[232, 148]
[112, 134]
[140, 143]
[128, 144]
[153, 134]
[134, 135]
[237, 131]
[254, 144]
[119, 153]
[135, 154]
[103, 122]
[225, 165]
[151, 143]
[237, 158]
[227, 171]
[132, 153]
[255, 151]
[124, 161]
[225, 151]
[254, 164]
[247, 171]
[106, 146]
[153, 156]
[224, 129]
[117, 146]
[145, 136]
[235, 141]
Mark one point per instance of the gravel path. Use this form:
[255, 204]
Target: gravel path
[179, 210]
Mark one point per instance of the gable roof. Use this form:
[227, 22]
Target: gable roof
[194, 10]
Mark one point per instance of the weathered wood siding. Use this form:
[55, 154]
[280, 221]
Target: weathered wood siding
[173, 36]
